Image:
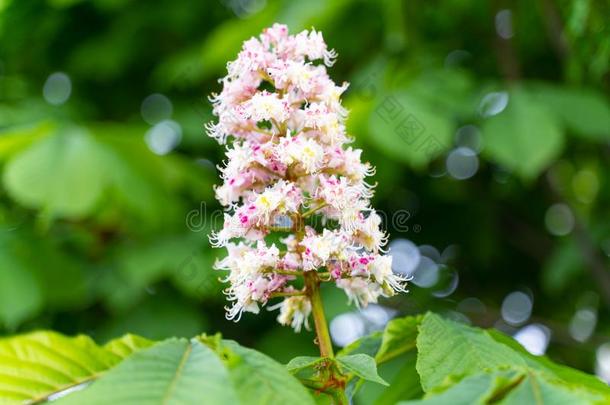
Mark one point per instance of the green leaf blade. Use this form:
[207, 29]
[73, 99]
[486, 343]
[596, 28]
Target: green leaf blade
[538, 389]
[525, 137]
[40, 364]
[174, 371]
[262, 380]
[447, 348]
[362, 366]
[407, 129]
[585, 112]
[475, 389]
[399, 337]
[133, 370]
[62, 175]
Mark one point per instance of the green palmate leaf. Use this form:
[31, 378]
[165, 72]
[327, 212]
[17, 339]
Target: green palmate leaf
[38, 365]
[510, 387]
[542, 363]
[448, 90]
[258, 376]
[398, 337]
[459, 364]
[472, 390]
[140, 181]
[448, 348]
[62, 175]
[362, 366]
[203, 370]
[177, 371]
[406, 128]
[525, 137]
[539, 389]
[584, 111]
[67, 173]
[452, 357]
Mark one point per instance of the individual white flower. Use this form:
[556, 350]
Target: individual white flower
[340, 193]
[311, 44]
[265, 106]
[330, 94]
[294, 311]
[274, 35]
[353, 167]
[283, 197]
[268, 202]
[252, 58]
[262, 258]
[368, 232]
[318, 249]
[306, 152]
[228, 231]
[360, 291]
[298, 78]
[328, 124]
[241, 296]
[351, 216]
[381, 270]
[235, 253]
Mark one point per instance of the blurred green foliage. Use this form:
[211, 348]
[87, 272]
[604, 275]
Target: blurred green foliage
[100, 235]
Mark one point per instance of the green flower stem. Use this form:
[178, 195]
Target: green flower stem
[287, 294]
[283, 272]
[312, 289]
[279, 228]
[312, 211]
[312, 284]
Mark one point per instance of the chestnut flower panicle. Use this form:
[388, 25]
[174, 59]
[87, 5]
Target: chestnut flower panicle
[288, 162]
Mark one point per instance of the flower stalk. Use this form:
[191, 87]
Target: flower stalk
[312, 284]
[287, 163]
